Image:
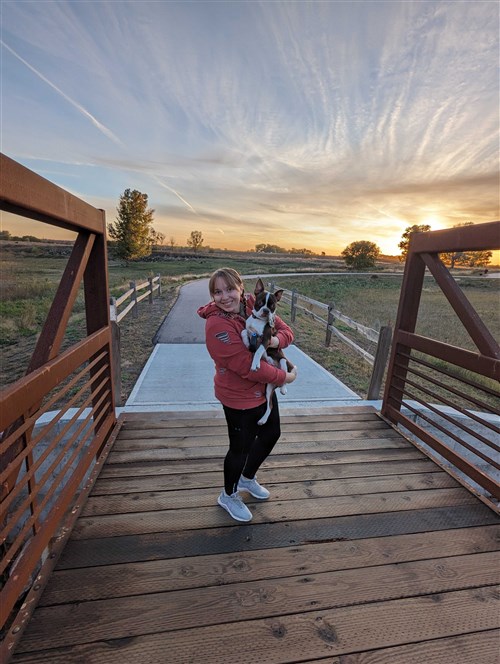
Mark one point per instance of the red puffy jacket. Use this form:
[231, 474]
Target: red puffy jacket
[236, 385]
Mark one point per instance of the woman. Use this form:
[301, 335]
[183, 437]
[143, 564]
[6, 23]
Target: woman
[242, 391]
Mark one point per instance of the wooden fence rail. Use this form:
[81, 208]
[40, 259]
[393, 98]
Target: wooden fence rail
[317, 310]
[153, 284]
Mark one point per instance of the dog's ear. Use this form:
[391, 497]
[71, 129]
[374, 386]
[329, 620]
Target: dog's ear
[259, 287]
[278, 294]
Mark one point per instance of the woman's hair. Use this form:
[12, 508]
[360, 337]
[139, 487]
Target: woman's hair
[230, 276]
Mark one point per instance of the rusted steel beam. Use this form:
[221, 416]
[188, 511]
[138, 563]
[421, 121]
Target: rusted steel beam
[17, 399]
[406, 319]
[475, 362]
[28, 194]
[477, 237]
[471, 320]
[95, 282]
[52, 334]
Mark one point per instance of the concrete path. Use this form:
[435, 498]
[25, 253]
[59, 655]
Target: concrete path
[179, 373]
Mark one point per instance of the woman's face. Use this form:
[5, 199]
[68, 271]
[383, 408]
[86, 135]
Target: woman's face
[226, 297]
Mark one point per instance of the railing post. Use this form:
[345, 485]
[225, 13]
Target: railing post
[293, 306]
[116, 369]
[150, 279]
[159, 284]
[133, 285]
[330, 320]
[381, 355]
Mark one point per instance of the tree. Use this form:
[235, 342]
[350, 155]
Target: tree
[406, 237]
[269, 249]
[172, 242]
[133, 230]
[361, 254]
[195, 240]
[466, 258]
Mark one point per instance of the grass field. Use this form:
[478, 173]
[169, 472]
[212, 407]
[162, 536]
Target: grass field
[29, 283]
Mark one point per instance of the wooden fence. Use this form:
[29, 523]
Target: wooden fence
[152, 285]
[317, 311]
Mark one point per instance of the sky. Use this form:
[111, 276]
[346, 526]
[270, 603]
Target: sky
[302, 124]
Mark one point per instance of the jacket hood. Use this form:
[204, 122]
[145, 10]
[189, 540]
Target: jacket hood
[207, 310]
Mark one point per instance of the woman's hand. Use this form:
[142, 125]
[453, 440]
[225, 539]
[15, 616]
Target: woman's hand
[274, 342]
[291, 376]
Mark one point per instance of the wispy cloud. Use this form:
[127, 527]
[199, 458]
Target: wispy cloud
[104, 130]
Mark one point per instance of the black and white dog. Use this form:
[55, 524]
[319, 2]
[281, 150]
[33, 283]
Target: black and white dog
[257, 336]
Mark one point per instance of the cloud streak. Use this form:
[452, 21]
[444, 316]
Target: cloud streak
[104, 130]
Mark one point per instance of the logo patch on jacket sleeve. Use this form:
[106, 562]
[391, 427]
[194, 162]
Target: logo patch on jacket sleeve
[224, 337]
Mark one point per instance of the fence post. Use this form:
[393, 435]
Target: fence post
[150, 298]
[116, 369]
[132, 285]
[293, 306]
[331, 318]
[381, 355]
[159, 284]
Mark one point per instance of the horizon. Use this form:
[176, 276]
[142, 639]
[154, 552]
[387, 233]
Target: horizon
[237, 123]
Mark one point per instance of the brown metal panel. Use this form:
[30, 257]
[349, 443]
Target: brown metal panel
[17, 399]
[471, 320]
[478, 237]
[475, 362]
[24, 192]
[456, 459]
[36, 546]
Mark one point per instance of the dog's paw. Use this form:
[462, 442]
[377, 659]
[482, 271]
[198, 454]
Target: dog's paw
[283, 389]
[255, 364]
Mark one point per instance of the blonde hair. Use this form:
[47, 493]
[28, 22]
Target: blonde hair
[230, 276]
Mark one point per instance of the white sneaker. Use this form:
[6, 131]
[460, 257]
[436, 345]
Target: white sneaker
[234, 505]
[253, 488]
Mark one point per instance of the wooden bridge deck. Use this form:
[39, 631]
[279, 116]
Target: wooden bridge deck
[366, 552]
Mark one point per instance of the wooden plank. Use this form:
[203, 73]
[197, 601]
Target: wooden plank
[477, 647]
[155, 437]
[135, 453]
[164, 421]
[285, 638]
[201, 571]
[164, 545]
[136, 478]
[317, 508]
[278, 460]
[122, 503]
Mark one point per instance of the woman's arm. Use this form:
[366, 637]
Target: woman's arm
[227, 349]
[283, 334]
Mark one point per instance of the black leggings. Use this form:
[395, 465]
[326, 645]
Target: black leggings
[249, 443]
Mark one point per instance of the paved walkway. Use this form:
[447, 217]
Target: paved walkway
[179, 373]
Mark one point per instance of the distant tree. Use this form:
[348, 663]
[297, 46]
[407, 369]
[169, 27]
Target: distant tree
[172, 242]
[195, 240]
[361, 254]
[269, 249]
[133, 230]
[157, 238]
[5, 235]
[405, 238]
[302, 252]
[466, 258]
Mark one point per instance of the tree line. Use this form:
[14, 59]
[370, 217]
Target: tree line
[133, 237]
